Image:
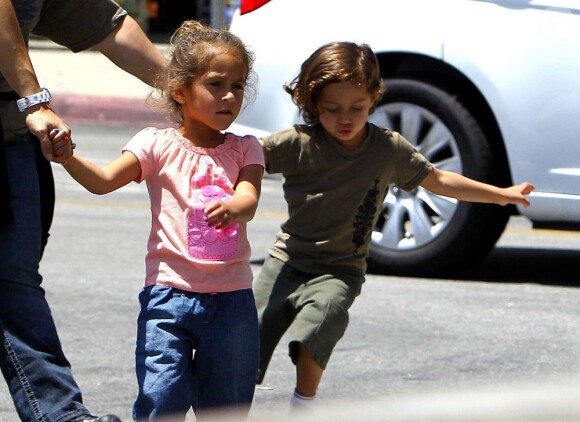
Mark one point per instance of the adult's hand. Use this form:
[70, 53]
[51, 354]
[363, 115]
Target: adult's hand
[17, 69]
[41, 120]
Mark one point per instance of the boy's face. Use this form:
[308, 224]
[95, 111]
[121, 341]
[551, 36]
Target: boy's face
[343, 109]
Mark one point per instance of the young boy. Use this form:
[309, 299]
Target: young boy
[336, 172]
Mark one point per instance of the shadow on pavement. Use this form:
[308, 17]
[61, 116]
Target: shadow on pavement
[557, 267]
[549, 266]
[552, 267]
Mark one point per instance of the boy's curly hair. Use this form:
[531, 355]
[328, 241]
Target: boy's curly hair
[335, 62]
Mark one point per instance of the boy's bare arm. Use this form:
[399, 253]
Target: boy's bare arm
[455, 185]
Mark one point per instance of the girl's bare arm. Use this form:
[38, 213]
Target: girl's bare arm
[114, 175]
[245, 202]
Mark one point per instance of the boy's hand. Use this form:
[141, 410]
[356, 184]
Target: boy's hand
[517, 194]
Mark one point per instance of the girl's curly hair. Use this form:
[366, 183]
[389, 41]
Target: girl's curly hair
[193, 45]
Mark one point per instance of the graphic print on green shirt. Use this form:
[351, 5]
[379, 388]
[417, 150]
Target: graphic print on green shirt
[363, 220]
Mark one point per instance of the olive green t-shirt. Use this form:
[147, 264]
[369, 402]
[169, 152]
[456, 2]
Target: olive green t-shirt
[335, 195]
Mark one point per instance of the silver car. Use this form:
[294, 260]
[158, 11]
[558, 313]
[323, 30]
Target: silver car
[490, 89]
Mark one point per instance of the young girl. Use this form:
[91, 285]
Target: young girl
[204, 187]
[335, 188]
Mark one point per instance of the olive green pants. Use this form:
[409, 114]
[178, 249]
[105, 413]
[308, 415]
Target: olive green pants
[315, 305]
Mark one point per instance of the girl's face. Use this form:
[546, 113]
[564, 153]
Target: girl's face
[343, 109]
[214, 99]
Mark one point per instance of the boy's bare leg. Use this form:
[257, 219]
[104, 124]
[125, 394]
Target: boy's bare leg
[308, 373]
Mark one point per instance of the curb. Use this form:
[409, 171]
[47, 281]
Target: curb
[115, 111]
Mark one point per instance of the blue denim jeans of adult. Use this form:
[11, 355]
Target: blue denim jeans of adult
[31, 358]
[195, 350]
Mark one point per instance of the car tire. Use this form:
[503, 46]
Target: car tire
[420, 233]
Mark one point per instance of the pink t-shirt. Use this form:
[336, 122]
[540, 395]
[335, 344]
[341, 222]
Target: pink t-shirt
[182, 250]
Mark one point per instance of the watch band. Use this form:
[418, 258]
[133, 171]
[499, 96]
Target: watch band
[32, 100]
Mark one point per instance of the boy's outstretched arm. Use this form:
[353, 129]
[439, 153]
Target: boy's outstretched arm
[114, 175]
[455, 185]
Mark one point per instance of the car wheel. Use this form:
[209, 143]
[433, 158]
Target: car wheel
[418, 232]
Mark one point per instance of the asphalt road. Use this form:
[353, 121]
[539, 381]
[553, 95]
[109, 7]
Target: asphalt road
[512, 322]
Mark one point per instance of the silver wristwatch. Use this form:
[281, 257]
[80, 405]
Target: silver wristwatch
[32, 100]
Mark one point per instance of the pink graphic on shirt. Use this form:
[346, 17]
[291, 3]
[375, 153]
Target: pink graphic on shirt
[205, 242]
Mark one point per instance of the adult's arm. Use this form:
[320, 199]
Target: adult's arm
[129, 48]
[17, 69]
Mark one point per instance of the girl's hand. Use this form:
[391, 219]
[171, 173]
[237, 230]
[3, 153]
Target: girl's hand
[62, 145]
[517, 194]
[218, 214]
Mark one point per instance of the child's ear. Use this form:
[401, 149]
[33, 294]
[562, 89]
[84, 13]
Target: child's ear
[177, 95]
[176, 91]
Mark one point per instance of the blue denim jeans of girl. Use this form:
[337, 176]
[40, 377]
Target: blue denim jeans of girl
[195, 350]
[31, 358]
